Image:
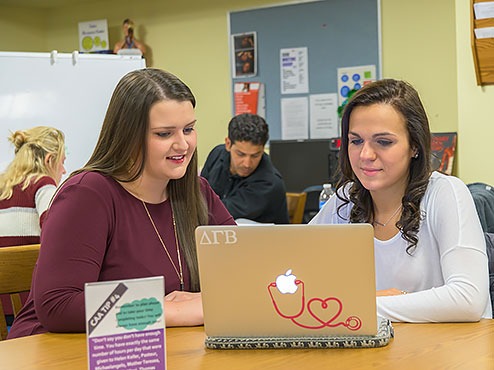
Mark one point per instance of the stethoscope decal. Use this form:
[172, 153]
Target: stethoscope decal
[288, 284]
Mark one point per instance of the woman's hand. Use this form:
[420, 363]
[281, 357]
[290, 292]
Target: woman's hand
[183, 309]
[392, 291]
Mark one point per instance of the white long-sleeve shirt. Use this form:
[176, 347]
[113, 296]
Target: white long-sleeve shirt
[447, 275]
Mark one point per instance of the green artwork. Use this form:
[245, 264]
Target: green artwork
[87, 43]
[139, 314]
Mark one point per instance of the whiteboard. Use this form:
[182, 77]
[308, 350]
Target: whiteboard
[69, 91]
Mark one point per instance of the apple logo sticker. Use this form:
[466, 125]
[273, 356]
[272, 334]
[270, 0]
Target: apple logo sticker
[286, 283]
[312, 313]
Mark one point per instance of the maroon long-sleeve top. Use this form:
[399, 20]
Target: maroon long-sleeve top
[96, 231]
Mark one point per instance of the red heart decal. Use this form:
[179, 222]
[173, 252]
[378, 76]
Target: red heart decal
[322, 309]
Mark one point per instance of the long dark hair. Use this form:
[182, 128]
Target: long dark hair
[405, 100]
[123, 159]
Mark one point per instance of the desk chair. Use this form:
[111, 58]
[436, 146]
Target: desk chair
[296, 206]
[489, 244]
[16, 270]
[483, 197]
[312, 202]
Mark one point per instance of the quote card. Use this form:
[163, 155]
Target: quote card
[125, 324]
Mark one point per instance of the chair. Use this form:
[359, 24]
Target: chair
[483, 197]
[296, 205]
[489, 244]
[312, 202]
[16, 270]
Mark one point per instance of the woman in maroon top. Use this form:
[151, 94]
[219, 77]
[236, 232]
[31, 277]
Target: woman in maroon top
[130, 212]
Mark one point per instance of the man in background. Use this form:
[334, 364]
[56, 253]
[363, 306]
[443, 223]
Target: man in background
[243, 176]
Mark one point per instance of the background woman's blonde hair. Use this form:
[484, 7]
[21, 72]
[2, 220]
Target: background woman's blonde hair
[31, 148]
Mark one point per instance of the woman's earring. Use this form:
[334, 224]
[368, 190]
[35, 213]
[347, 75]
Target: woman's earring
[416, 155]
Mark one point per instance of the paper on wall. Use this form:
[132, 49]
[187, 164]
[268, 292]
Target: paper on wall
[294, 69]
[93, 36]
[353, 78]
[323, 116]
[294, 118]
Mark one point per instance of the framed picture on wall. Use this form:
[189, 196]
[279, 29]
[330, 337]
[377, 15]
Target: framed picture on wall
[443, 147]
[244, 58]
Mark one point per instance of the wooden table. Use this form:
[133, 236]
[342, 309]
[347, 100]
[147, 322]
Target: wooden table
[415, 346]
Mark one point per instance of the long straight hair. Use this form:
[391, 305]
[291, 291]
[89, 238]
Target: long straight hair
[406, 101]
[121, 151]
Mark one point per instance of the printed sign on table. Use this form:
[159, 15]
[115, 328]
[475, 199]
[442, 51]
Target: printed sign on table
[125, 324]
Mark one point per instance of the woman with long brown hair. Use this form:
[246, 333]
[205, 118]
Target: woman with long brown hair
[130, 212]
[430, 255]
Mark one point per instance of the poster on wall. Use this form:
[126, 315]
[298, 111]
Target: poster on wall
[244, 57]
[323, 116]
[93, 36]
[249, 98]
[295, 118]
[443, 145]
[353, 78]
[294, 73]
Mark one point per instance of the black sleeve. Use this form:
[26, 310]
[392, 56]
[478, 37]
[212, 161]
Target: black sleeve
[210, 160]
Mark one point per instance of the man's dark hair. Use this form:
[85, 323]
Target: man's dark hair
[248, 127]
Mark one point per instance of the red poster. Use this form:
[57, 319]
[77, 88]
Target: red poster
[249, 98]
[443, 151]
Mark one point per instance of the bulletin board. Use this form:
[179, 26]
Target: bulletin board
[336, 33]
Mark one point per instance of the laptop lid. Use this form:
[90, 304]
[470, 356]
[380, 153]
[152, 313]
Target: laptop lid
[287, 280]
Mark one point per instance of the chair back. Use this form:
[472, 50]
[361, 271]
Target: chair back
[483, 197]
[489, 244]
[296, 205]
[312, 202]
[16, 271]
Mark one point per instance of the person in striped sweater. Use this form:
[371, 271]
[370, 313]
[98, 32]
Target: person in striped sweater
[27, 186]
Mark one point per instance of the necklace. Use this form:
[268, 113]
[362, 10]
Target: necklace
[179, 271]
[383, 224]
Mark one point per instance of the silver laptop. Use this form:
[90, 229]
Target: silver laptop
[289, 281]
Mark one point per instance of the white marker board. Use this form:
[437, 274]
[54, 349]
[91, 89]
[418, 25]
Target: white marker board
[68, 91]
